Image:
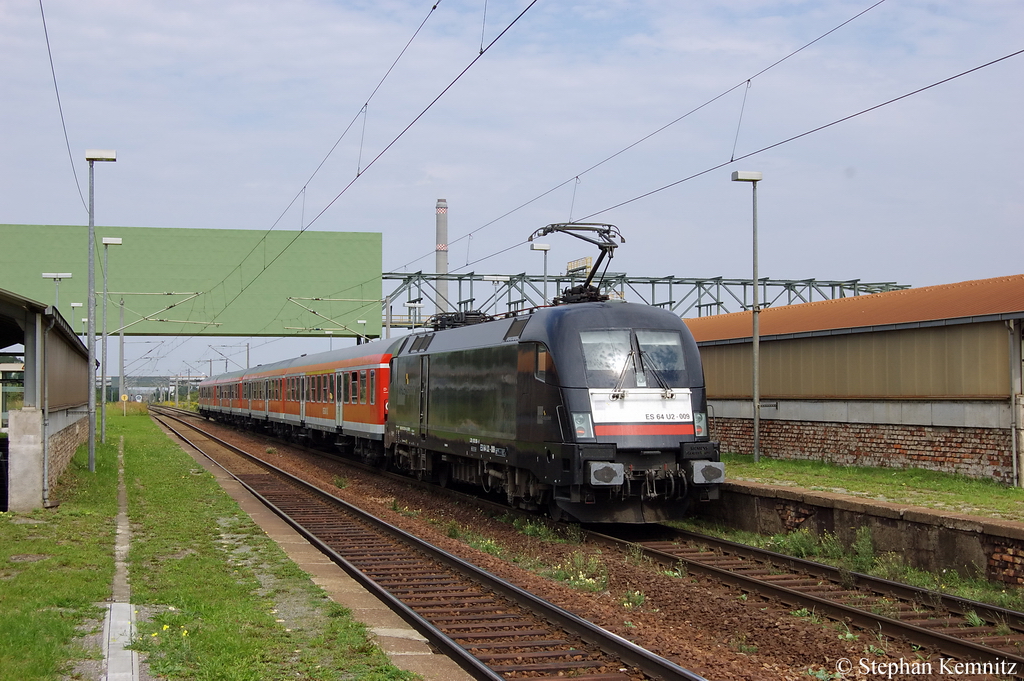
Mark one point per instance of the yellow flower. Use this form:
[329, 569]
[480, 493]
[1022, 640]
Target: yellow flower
[166, 627]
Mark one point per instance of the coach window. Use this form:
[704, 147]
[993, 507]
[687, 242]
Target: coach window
[331, 393]
[354, 385]
[345, 391]
[362, 386]
[325, 389]
[373, 386]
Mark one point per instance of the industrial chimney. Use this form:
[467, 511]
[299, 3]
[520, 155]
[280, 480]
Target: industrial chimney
[441, 256]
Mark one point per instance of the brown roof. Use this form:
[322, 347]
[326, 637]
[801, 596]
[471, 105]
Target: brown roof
[981, 298]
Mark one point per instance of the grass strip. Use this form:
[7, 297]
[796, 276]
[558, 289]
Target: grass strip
[914, 486]
[224, 602]
[55, 565]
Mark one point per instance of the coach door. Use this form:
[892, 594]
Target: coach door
[341, 388]
[302, 398]
[424, 378]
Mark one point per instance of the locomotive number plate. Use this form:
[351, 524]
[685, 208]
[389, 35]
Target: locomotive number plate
[641, 405]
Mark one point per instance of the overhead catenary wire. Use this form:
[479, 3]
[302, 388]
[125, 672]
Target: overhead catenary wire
[744, 82]
[812, 131]
[788, 140]
[344, 190]
[60, 108]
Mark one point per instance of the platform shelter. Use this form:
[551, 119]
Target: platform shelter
[46, 420]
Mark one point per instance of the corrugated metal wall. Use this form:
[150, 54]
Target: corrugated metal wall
[67, 374]
[965, 360]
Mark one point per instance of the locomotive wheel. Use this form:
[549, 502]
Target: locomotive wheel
[555, 511]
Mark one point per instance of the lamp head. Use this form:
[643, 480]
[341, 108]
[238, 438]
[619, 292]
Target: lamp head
[746, 176]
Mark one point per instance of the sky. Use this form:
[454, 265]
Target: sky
[229, 115]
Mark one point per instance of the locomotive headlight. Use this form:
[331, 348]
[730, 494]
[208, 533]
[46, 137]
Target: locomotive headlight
[700, 423]
[582, 425]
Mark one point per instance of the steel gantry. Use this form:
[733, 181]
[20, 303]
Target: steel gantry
[685, 296]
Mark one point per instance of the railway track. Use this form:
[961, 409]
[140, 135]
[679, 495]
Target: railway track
[493, 629]
[957, 628]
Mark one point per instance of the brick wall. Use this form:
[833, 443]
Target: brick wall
[63, 445]
[974, 452]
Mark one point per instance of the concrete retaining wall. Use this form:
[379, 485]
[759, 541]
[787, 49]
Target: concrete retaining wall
[925, 538]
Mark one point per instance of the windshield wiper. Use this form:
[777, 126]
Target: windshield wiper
[617, 392]
[647, 364]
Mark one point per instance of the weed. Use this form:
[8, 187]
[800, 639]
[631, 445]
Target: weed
[633, 599]
[271, 450]
[886, 607]
[573, 534]
[823, 674]
[487, 545]
[453, 530]
[845, 634]
[636, 555]
[804, 613]
[582, 571]
[973, 619]
[535, 528]
[863, 550]
[340, 482]
[740, 645]
[801, 544]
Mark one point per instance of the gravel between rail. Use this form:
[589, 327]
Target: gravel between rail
[701, 625]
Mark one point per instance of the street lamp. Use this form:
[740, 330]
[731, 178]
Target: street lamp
[75, 306]
[56, 276]
[93, 155]
[545, 248]
[107, 241]
[753, 178]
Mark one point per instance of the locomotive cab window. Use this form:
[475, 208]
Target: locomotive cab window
[640, 359]
[607, 354]
[661, 353]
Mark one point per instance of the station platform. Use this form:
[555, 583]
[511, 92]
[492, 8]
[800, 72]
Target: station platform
[927, 538]
[404, 646]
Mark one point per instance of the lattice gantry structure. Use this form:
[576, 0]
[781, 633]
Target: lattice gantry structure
[415, 294]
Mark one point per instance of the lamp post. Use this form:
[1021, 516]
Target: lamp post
[753, 178]
[545, 248]
[107, 241]
[56, 276]
[120, 371]
[93, 155]
[75, 306]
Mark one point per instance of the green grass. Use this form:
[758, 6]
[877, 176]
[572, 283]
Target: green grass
[915, 486]
[220, 587]
[226, 602]
[44, 602]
